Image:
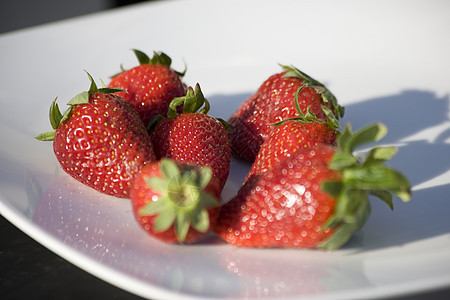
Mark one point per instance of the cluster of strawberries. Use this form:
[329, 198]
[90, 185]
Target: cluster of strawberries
[148, 137]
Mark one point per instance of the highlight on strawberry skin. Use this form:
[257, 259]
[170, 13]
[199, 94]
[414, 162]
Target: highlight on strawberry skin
[99, 140]
[316, 198]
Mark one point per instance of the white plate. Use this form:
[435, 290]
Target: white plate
[385, 61]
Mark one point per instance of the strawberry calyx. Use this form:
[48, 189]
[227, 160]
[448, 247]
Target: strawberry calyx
[57, 118]
[158, 58]
[309, 117]
[183, 202]
[321, 89]
[193, 102]
[360, 178]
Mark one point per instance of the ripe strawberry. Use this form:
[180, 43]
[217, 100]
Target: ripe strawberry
[291, 135]
[151, 85]
[193, 136]
[175, 202]
[285, 140]
[100, 140]
[274, 102]
[317, 198]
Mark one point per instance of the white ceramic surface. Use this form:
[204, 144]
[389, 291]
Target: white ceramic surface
[386, 61]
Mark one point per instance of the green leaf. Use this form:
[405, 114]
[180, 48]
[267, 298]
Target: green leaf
[205, 177]
[379, 155]
[208, 201]
[369, 134]
[81, 98]
[225, 124]
[154, 207]
[333, 188]
[404, 194]
[351, 213]
[67, 114]
[332, 121]
[155, 120]
[46, 136]
[385, 196]
[341, 208]
[93, 88]
[157, 184]
[111, 90]
[341, 111]
[342, 160]
[164, 220]
[344, 139]
[297, 119]
[193, 100]
[297, 105]
[294, 72]
[169, 169]
[377, 177]
[172, 111]
[310, 116]
[206, 107]
[182, 225]
[362, 213]
[338, 238]
[55, 115]
[160, 58]
[200, 221]
[55, 118]
[142, 58]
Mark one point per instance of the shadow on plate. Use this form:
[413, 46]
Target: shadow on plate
[421, 157]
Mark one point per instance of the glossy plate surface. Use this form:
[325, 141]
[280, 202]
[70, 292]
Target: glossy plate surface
[385, 61]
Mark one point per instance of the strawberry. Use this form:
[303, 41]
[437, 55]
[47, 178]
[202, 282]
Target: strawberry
[288, 138]
[317, 198]
[100, 140]
[291, 135]
[274, 102]
[175, 202]
[193, 136]
[151, 85]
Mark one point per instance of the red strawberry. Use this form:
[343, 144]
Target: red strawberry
[318, 197]
[176, 202]
[285, 140]
[274, 102]
[291, 135]
[100, 140]
[193, 137]
[151, 85]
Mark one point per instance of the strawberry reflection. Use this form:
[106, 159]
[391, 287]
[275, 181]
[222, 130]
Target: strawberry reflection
[275, 273]
[98, 225]
[103, 228]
